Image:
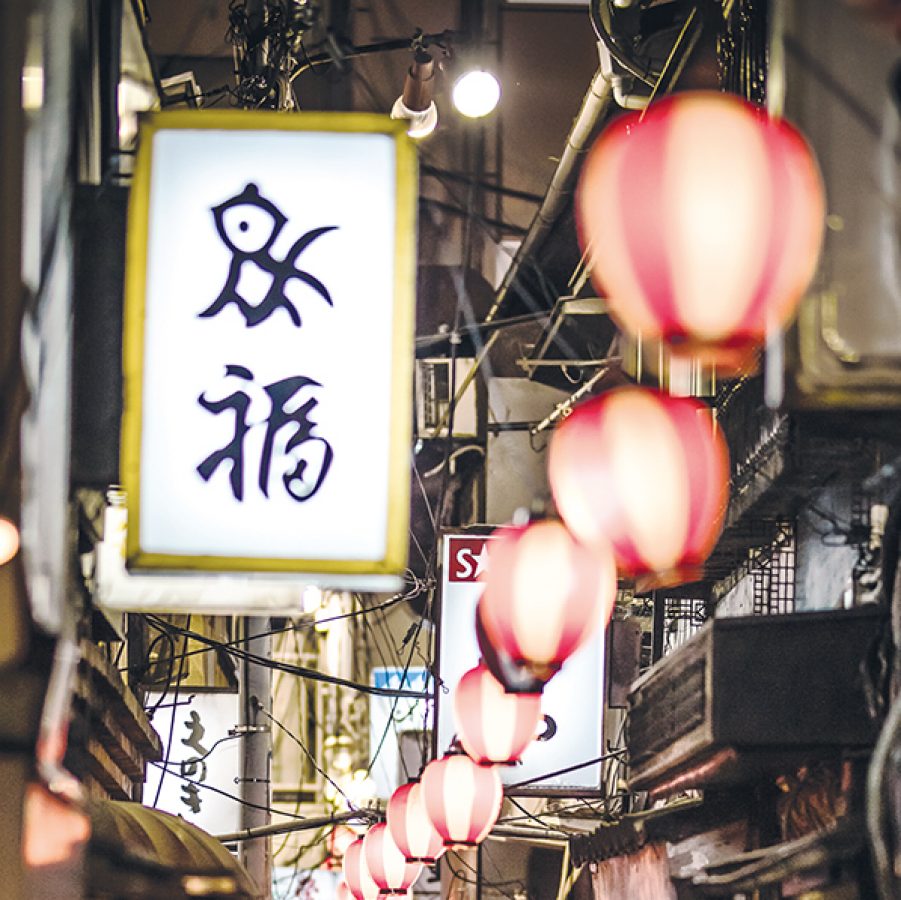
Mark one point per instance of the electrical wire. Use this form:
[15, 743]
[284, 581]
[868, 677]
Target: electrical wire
[588, 762]
[202, 785]
[260, 708]
[300, 671]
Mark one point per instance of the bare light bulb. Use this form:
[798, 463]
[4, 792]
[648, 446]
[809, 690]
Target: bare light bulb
[476, 93]
[9, 540]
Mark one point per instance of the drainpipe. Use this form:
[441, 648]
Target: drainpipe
[594, 107]
[620, 95]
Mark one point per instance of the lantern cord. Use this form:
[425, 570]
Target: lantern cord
[613, 754]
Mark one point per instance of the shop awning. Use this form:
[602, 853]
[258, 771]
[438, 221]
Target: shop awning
[139, 852]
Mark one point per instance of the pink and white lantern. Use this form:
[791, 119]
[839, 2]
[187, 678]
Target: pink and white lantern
[386, 863]
[411, 827]
[493, 726]
[462, 798]
[703, 220]
[545, 594]
[646, 472]
[357, 877]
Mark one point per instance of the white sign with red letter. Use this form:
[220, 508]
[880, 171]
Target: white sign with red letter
[573, 698]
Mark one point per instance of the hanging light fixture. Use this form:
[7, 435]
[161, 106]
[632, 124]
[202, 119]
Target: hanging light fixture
[411, 827]
[493, 726]
[646, 472]
[462, 799]
[702, 220]
[386, 863]
[415, 104]
[356, 873]
[545, 594]
[342, 891]
[476, 93]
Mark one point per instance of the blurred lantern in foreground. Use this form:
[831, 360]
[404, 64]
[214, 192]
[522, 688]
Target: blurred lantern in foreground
[356, 873]
[411, 827]
[387, 865]
[545, 594]
[9, 540]
[703, 223]
[514, 677]
[462, 799]
[647, 472]
[493, 726]
[342, 891]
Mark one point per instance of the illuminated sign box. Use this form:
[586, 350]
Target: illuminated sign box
[269, 345]
[572, 698]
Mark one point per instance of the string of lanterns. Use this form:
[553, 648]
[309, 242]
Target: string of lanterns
[702, 222]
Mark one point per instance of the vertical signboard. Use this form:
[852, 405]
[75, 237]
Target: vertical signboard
[572, 698]
[268, 356]
[199, 777]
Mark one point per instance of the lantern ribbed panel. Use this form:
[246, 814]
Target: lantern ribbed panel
[342, 891]
[648, 473]
[704, 222]
[493, 726]
[411, 827]
[462, 799]
[356, 873]
[545, 594]
[386, 863]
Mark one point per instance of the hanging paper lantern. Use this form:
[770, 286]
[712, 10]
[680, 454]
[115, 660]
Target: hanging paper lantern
[648, 473]
[545, 594]
[387, 865]
[493, 726]
[411, 827]
[356, 873]
[514, 677]
[342, 891]
[462, 799]
[703, 223]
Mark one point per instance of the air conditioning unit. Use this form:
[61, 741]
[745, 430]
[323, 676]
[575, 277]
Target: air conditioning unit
[749, 694]
[434, 396]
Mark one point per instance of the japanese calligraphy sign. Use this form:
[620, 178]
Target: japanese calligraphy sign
[200, 773]
[268, 357]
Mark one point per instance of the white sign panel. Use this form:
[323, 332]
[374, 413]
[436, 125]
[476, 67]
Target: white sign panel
[572, 698]
[202, 760]
[390, 718]
[269, 344]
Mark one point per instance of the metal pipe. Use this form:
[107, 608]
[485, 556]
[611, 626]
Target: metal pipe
[256, 691]
[594, 106]
[248, 834]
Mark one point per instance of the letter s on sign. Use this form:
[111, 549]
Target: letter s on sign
[465, 563]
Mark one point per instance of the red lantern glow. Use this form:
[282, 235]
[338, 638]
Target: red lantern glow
[703, 222]
[493, 726]
[387, 865]
[356, 873]
[647, 472]
[462, 799]
[411, 827]
[545, 594]
[342, 891]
